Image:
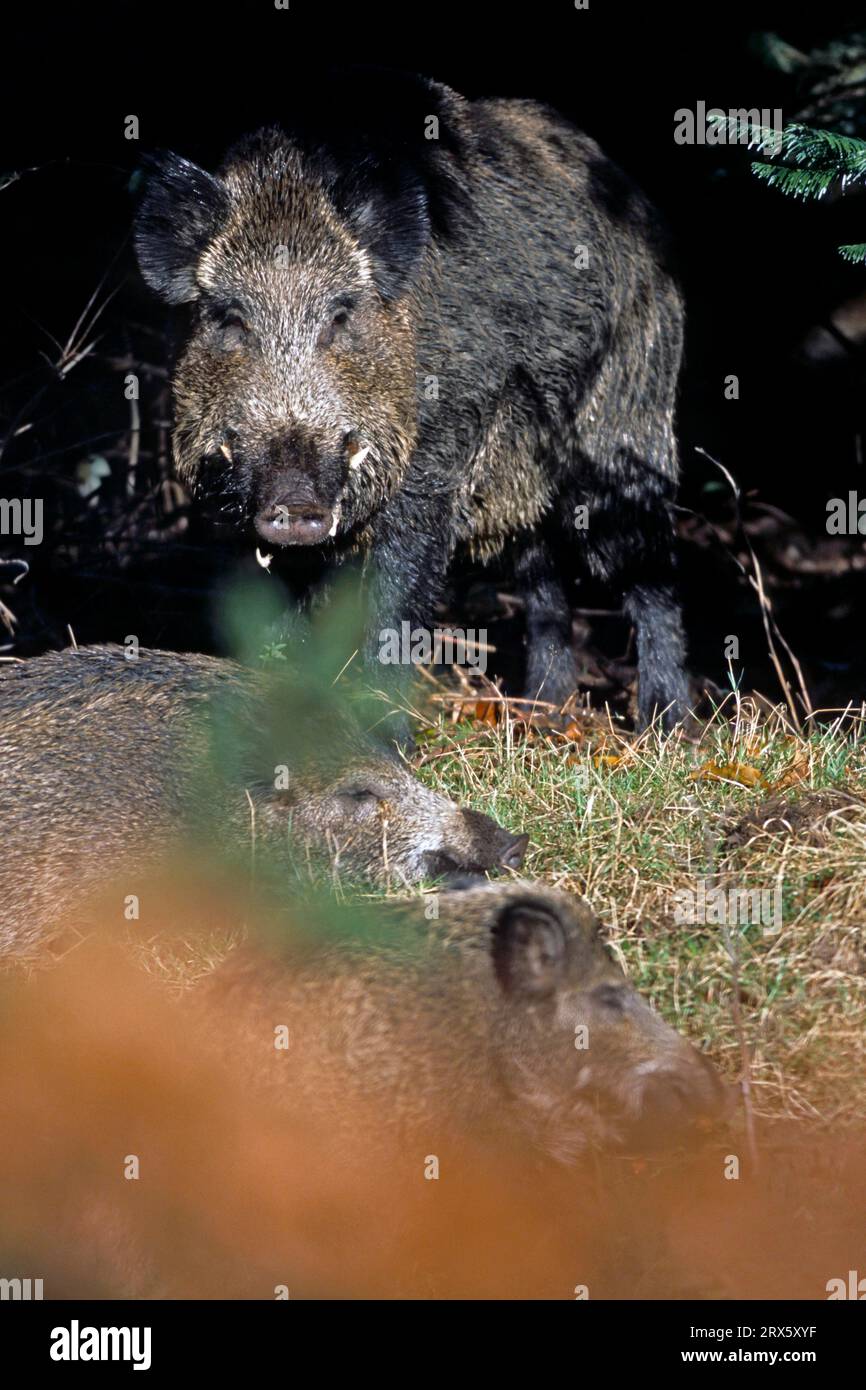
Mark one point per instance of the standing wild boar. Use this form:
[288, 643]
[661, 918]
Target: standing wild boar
[506, 1016]
[421, 326]
[108, 766]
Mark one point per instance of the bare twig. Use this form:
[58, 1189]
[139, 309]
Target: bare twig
[252, 837]
[770, 625]
[732, 947]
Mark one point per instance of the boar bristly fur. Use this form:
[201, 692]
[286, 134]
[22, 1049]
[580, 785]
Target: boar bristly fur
[505, 1016]
[447, 327]
[111, 767]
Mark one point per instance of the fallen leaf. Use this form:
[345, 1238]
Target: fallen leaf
[797, 771]
[608, 760]
[480, 712]
[744, 773]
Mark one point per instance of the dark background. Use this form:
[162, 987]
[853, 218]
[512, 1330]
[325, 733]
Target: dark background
[760, 273]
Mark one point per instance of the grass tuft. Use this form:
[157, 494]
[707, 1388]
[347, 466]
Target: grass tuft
[632, 822]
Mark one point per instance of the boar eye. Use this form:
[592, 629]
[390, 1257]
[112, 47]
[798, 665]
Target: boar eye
[358, 794]
[610, 997]
[339, 319]
[237, 323]
[230, 320]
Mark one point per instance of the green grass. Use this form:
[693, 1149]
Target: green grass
[629, 836]
[630, 823]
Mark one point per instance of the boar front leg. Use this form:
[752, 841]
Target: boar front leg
[629, 544]
[652, 603]
[551, 673]
[654, 609]
[405, 578]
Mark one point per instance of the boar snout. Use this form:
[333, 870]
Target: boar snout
[479, 844]
[285, 523]
[484, 844]
[514, 853]
[677, 1099]
[293, 510]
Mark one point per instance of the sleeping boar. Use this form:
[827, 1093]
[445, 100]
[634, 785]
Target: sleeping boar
[506, 1018]
[421, 1135]
[108, 765]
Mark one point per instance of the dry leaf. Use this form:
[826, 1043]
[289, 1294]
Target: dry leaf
[486, 712]
[744, 773]
[480, 712]
[607, 760]
[797, 771]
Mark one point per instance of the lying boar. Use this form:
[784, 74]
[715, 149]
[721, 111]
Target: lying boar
[422, 327]
[504, 1018]
[328, 1199]
[108, 764]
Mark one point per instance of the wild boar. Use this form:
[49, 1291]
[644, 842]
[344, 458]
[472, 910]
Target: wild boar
[330, 1198]
[504, 1018]
[421, 327]
[107, 765]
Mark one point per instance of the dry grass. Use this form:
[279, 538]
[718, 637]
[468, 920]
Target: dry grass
[631, 822]
[262, 1201]
[747, 804]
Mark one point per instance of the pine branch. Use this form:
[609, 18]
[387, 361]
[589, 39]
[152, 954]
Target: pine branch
[732, 131]
[819, 157]
[802, 144]
[807, 163]
[797, 183]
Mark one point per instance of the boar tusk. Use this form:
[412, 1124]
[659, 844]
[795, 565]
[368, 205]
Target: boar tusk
[358, 457]
[226, 452]
[263, 560]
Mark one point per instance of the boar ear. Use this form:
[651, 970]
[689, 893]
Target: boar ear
[180, 210]
[529, 949]
[393, 226]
